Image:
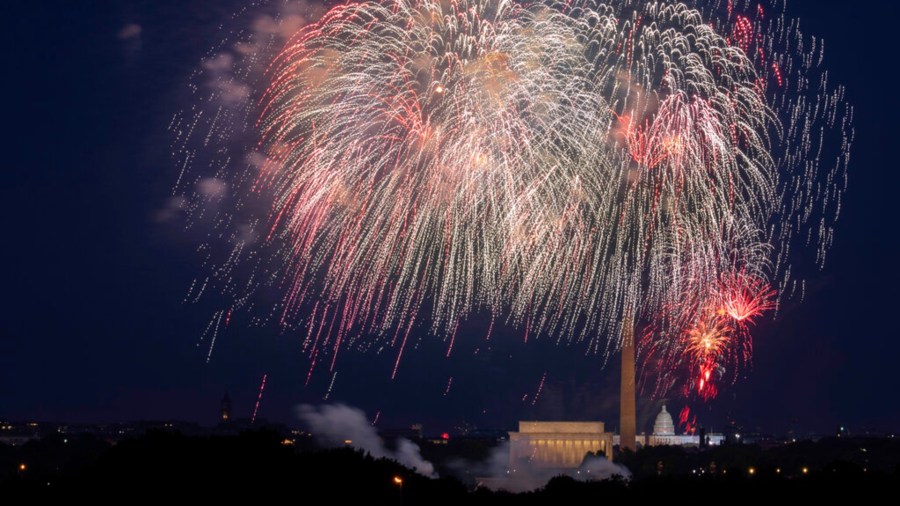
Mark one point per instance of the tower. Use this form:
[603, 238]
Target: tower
[627, 419]
[225, 415]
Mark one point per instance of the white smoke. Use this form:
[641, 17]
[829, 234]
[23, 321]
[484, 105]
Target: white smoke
[212, 187]
[130, 31]
[497, 474]
[335, 424]
[230, 73]
[174, 208]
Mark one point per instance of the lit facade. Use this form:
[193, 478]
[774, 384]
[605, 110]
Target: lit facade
[558, 445]
[664, 434]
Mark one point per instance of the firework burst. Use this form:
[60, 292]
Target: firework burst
[561, 166]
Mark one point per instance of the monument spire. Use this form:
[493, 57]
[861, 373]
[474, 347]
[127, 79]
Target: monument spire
[627, 419]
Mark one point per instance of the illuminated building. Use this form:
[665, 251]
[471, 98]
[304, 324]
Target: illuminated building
[558, 445]
[664, 434]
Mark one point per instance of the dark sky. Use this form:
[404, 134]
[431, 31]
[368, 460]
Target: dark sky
[93, 328]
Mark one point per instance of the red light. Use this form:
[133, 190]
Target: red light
[445, 436]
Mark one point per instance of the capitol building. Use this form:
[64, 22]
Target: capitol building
[664, 434]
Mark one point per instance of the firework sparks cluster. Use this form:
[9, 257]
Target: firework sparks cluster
[565, 168]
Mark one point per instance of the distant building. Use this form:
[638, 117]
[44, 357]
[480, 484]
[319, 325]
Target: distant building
[412, 433]
[664, 434]
[558, 445]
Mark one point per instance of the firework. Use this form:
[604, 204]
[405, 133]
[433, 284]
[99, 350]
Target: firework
[565, 167]
[743, 297]
[262, 388]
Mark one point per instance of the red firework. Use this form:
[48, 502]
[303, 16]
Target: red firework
[712, 337]
[744, 297]
[708, 346]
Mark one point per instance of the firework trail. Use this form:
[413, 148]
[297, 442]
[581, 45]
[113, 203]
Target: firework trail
[330, 387]
[262, 387]
[540, 388]
[563, 166]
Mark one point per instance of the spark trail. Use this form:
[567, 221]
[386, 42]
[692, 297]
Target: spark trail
[555, 165]
[262, 387]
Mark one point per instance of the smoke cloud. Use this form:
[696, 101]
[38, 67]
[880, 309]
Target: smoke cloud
[130, 31]
[334, 424]
[174, 208]
[497, 474]
[212, 188]
[231, 72]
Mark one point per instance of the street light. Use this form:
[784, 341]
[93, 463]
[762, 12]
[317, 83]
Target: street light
[399, 482]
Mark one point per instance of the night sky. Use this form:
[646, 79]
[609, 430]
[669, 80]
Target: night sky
[93, 327]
